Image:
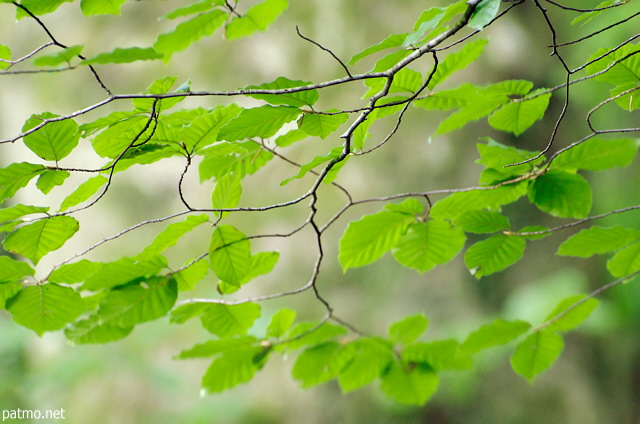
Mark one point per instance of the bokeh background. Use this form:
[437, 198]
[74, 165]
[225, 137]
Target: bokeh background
[597, 378]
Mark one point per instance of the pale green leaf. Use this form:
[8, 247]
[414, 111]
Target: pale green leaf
[230, 320]
[16, 176]
[227, 192]
[203, 130]
[458, 203]
[570, 313]
[597, 154]
[75, 272]
[369, 358]
[369, 238]
[310, 334]
[561, 194]
[35, 240]
[257, 18]
[394, 40]
[5, 55]
[407, 330]
[318, 160]
[625, 262]
[281, 322]
[519, 114]
[457, 61]
[83, 192]
[294, 98]
[484, 13]
[101, 7]
[53, 141]
[190, 276]
[189, 32]
[139, 301]
[193, 8]
[50, 179]
[481, 221]
[93, 330]
[215, 347]
[263, 122]
[497, 333]
[7, 291]
[320, 363]
[247, 159]
[38, 7]
[427, 244]
[18, 211]
[230, 369]
[63, 56]
[441, 355]
[122, 271]
[230, 254]
[494, 254]
[321, 125]
[12, 270]
[46, 307]
[536, 353]
[123, 55]
[409, 385]
[598, 240]
[170, 236]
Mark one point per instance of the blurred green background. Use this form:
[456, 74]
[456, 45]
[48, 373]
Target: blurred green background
[597, 378]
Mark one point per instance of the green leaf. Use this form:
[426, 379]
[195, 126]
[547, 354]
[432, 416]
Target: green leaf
[50, 179]
[598, 240]
[122, 271]
[63, 56]
[458, 203]
[536, 353]
[309, 334]
[369, 358]
[295, 99]
[75, 272]
[5, 55]
[587, 17]
[518, 115]
[230, 254]
[321, 125]
[16, 176]
[159, 86]
[598, 154]
[46, 307]
[497, 333]
[280, 322]
[215, 347]
[7, 291]
[318, 160]
[93, 330]
[408, 206]
[261, 263]
[625, 262]
[124, 55]
[83, 192]
[368, 239]
[247, 159]
[263, 122]
[496, 157]
[203, 130]
[291, 137]
[53, 141]
[139, 301]
[231, 369]
[257, 18]
[230, 320]
[561, 194]
[189, 32]
[457, 61]
[567, 316]
[427, 244]
[18, 211]
[441, 355]
[38, 7]
[394, 40]
[480, 222]
[12, 270]
[101, 7]
[227, 192]
[407, 330]
[484, 14]
[115, 140]
[494, 254]
[35, 240]
[409, 385]
[170, 236]
[190, 276]
[320, 363]
[193, 8]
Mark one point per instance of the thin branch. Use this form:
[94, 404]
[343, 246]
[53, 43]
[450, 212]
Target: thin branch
[346, 70]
